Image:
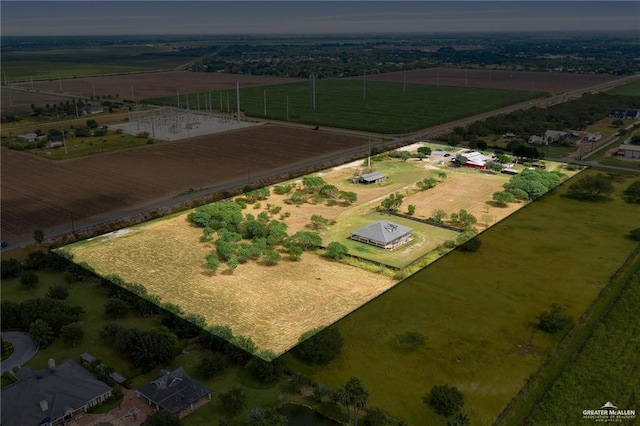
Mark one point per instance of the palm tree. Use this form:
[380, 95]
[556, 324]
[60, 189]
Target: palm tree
[342, 396]
[357, 396]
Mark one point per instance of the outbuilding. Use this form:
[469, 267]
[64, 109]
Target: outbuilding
[383, 234]
[629, 151]
[373, 177]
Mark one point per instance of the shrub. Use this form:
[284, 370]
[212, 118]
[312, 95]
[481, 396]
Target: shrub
[634, 234]
[446, 400]
[234, 400]
[471, 245]
[29, 280]
[410, 341]
[211, 364]
[555, 320]
[320, 348]
[58, 292]
[336, 251]
[591, 188]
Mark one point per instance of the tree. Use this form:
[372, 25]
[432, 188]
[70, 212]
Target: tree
[156, 347]
[313, 183]
[348, 197]
[271, 257]
[632, 193]
[211, 363]
[213, 263]
[38, 236]
[294, 251]
[355, 395]
[10, 268]
[233, 400]
[503, 198]
[58, 292]
[306, 240]
[392, 202]
[591, 187]
[162, 418]
[424, 150]
[482, 145]
[318, 222]
[554, 320]
[72, 334]
[460, 419]
[494, 166]
[329, 191]
[471, 245]
[461, 159]
[446, 400]
[266, 371]
[41, 333]
[411, 209]
[439, 216]
[29, 280]
[375, 417]
[115, 308]
[427, 183]
[336, 251]
[92, 124]
[466, 219]
[319, 347]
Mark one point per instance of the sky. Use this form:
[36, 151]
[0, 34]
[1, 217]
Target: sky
[36, 18]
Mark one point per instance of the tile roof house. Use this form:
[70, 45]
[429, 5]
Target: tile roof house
[51, 396]
[383, 234]
[173, 391]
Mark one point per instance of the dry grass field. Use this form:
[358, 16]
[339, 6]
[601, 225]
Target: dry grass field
[272, 305]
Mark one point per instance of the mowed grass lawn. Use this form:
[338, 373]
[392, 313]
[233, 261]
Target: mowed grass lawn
[380, 107]
[92, 299]
[478, 310]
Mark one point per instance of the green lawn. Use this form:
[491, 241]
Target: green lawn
[613, 347]
[381, 107]
[92, 299]
[629, 89]
[478, 310]
[87, 61]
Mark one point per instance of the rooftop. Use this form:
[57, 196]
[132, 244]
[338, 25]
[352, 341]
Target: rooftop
[382, 231]
[173, 391]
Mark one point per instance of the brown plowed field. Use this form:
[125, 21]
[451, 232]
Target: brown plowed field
[42, 194]
[151, 85]
[552, 82]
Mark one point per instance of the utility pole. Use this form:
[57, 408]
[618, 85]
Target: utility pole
[238, 96]
[364, 85]
[287, 107]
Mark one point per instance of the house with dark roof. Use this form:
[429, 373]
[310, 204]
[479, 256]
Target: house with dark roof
[618, 113]
[173, 391]
[51, 396]
[372, 177]
[383, 234]
[632, 114]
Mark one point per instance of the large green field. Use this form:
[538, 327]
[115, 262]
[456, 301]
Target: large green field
[87, 61]
[375, 106]
[478, 311]
[613, 350]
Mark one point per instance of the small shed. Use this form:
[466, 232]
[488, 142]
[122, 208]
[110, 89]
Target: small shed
[29, 137]
[387, 235]
[372, 177]
[87, 357]
[117, 378]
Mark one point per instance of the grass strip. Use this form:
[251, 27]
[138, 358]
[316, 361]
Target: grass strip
[524, 403]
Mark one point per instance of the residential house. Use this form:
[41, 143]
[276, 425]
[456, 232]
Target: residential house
[383, 234]
[537, 140]
[173, 391]
[51, 396]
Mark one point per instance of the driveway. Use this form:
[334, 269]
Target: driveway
[23, 349]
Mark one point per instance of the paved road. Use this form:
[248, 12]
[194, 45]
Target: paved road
[23, 349]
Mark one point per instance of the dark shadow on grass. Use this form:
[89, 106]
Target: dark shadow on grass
[600, 200]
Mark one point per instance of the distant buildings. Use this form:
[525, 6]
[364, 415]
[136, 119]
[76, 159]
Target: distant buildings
[630, 114]
[31, 137]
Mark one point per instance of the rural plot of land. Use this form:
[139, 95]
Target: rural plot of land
[275, 305]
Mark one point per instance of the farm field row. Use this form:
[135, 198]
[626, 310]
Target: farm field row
[374, 106]
[478, 311]
[39, 193]
[277, 304]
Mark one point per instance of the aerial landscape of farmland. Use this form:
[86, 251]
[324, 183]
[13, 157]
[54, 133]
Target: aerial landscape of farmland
[337, 216]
